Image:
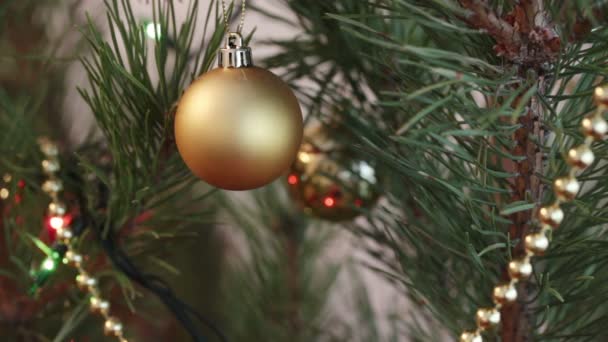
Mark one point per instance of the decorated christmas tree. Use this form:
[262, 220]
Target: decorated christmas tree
[386, 170]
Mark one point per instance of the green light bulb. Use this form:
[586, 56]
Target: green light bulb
[48, 264]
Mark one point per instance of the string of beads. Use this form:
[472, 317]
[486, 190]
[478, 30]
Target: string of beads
[57, 211]
[594, 128]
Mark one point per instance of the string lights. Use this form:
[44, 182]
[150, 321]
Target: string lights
[60, 221]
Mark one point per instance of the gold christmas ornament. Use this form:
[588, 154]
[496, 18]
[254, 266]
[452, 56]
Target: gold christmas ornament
[470, 336]
[581, 157]
[594, 126]
[566, 188]
[328, 181]
[238, 127]
[551, 215]
[536, 243]
[504, 294]
[487, 318]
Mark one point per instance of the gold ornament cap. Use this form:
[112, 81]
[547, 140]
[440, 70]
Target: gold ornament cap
[234, 54]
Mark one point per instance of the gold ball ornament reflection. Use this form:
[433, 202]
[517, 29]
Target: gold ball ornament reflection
[329, 181]
[238, 127]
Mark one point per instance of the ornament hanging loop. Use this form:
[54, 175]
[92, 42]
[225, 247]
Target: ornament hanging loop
[234, 40]
[234, 54]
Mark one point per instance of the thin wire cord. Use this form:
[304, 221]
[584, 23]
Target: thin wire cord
[183, 312]
[239, 28]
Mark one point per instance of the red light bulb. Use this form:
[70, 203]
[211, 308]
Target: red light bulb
[292, 179]
[329, 201]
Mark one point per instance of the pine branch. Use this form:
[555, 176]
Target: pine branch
[483, 17]
[476, 88]
[526, 37]
[146, 177]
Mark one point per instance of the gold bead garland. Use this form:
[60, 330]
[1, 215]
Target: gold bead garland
[594, 127]
[57, 209]
[4, 191]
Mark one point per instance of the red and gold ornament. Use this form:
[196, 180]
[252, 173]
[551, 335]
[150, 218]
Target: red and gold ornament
[329, 181]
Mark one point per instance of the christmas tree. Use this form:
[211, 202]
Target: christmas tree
[450, 160]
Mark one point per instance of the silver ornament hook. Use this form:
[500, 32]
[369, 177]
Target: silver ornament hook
[234, 54]
[234, 40]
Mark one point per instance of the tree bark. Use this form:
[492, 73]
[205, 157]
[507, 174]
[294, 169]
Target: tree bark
[526, 186]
